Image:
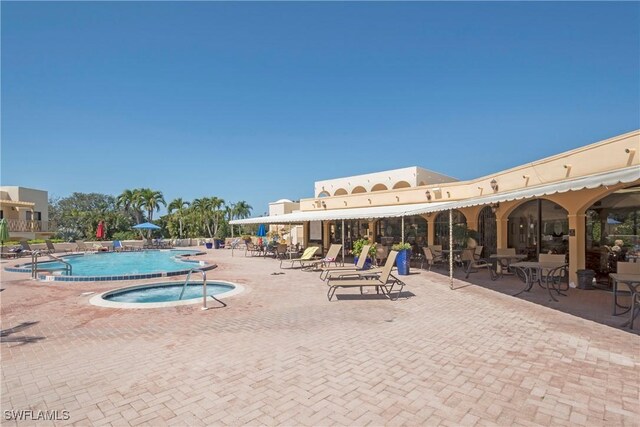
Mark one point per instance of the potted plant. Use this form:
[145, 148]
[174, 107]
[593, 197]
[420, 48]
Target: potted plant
[403, 258]
[356, 250]
[208, 244]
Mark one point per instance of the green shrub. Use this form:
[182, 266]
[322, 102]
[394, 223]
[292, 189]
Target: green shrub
[401, 246]
[126, 235]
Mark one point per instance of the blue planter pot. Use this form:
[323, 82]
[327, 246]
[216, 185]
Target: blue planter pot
[367, 263]
[208, 245]
[402, 262]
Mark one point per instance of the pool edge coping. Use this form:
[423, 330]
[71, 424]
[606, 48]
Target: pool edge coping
[98, 301]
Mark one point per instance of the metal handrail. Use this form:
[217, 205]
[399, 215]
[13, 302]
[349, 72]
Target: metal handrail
[204, 287]
[34, 264]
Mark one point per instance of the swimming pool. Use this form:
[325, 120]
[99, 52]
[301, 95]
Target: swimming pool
[102, 266]
[164, 294]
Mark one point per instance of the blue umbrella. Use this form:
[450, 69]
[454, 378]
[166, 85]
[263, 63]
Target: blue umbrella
[146, 226]
[612, 221]
[262, 231]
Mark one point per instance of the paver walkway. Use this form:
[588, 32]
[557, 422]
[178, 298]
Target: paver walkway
[281, 354]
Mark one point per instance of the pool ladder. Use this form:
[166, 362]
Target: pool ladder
[204, 288]
[34, 264]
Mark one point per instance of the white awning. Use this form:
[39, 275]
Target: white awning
[629, 174]
[338, 214]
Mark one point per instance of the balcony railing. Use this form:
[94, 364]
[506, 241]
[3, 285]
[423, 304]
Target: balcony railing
[23, 225]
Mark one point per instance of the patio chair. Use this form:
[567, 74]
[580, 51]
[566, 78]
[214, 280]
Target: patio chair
[430, 258]
[384, 282]
[472, 263]
[307, 256]
[477, 252]
[505, 264]
[330, 257]
[325, 272]
[251, 249]
[622, 289]
[281, 251]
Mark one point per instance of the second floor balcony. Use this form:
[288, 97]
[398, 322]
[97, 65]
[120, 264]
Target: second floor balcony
[23, 225]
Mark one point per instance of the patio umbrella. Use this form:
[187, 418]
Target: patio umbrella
[4, 231]
[100, 233]
[262, 230]
[146, 226]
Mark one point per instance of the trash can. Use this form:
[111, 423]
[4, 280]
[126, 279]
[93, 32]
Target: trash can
[585, 279]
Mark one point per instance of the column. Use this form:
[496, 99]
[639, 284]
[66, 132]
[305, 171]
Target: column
[577, 255]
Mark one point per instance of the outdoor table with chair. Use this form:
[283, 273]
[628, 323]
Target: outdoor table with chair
[504, 262]
[547, 274]
[632, 281]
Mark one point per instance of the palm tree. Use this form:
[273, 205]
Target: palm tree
[240, 210]
[151, 201]
[129, 201]
[178, 205]
[202, 209]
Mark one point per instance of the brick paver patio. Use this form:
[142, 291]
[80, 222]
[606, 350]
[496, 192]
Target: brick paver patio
[281, 354]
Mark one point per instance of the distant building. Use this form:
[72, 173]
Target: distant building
[26, 211]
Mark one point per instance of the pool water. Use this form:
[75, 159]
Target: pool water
[122, 263]
[160, 292]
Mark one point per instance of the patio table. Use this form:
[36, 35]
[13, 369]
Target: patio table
[633, 282]
[532, 271]
[509, 259]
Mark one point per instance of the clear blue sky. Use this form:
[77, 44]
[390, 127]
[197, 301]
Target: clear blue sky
[256, 101]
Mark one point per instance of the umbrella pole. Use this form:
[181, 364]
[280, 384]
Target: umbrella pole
[450, 248]
[403, 229]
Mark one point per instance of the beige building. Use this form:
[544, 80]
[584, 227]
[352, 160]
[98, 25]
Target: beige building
[26, 211]
[577, 203]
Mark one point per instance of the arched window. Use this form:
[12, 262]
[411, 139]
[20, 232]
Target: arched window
[359, 189]
[401, 184]
[441, 225]
[487, 231]
[324, 194]
[340, 192]
[539, 226]
[613, 230]
[379, 187]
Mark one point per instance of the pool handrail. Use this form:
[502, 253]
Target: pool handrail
[204, 287]
[34, 264]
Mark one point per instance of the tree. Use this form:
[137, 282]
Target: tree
[77, 216]
[130, 202]
[240, 210]
[151, 200]
[178, 205]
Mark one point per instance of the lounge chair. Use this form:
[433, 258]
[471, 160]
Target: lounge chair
[307, 257]
[26, 248]
[346, 269]
[328, 259]
[119, 247]
[385, 281]
[82, 247]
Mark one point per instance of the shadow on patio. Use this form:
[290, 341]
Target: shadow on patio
[594, 305]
